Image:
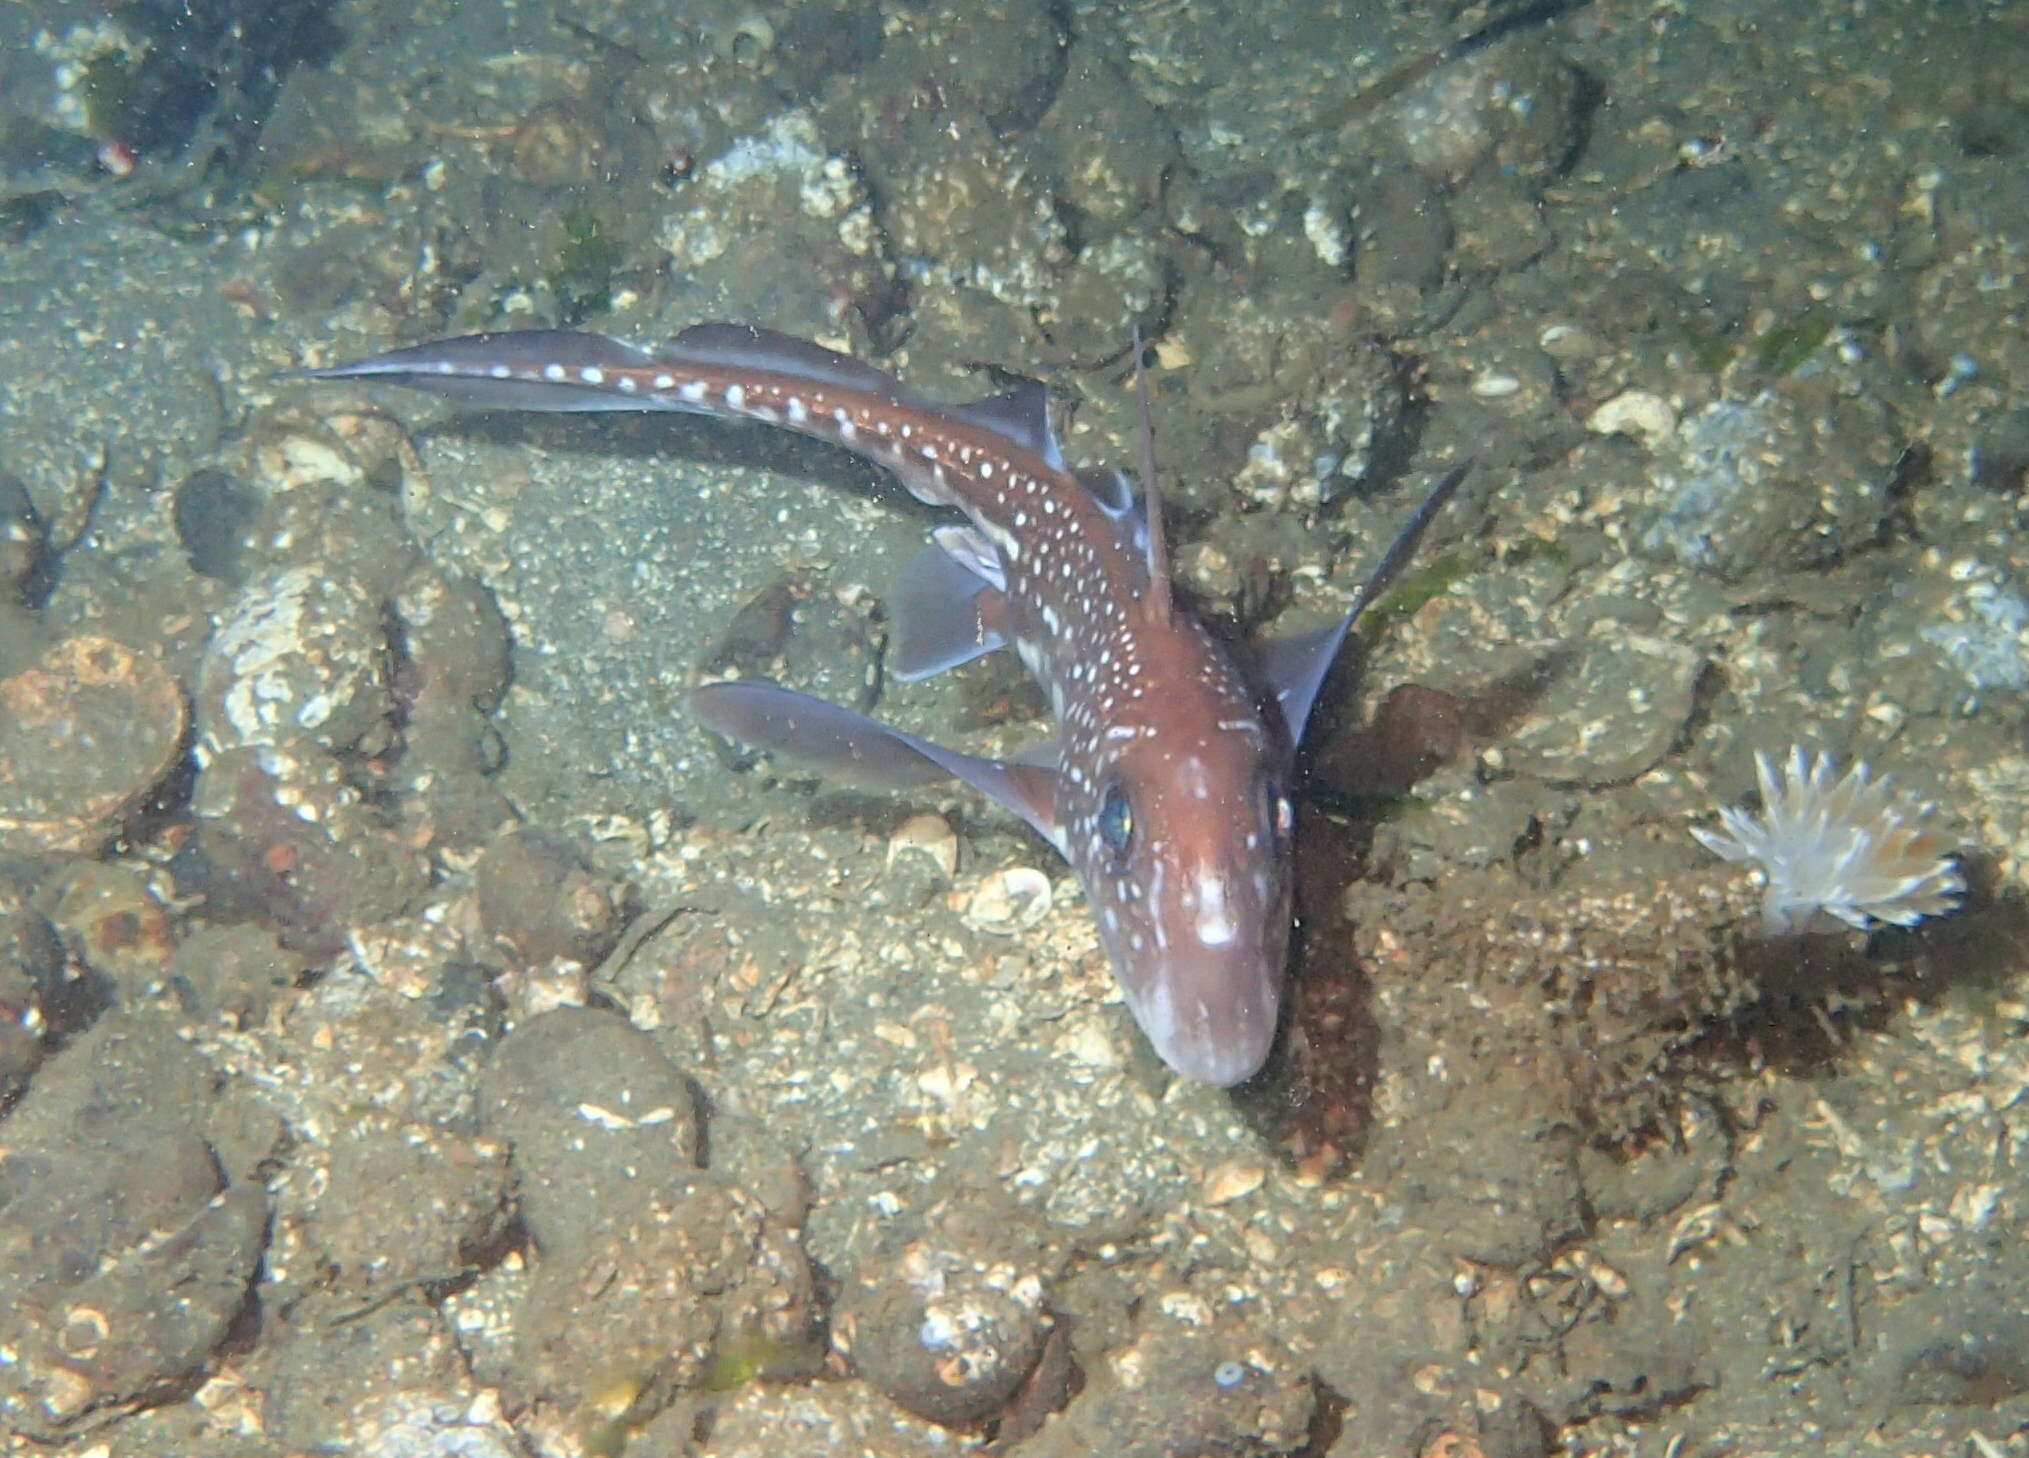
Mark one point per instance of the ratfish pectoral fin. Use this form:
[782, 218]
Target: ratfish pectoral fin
[1294, 668]
[836, 741]
[944, 612]
[461, 369]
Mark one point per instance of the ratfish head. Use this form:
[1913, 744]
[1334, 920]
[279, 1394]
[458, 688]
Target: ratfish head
[1178, 822]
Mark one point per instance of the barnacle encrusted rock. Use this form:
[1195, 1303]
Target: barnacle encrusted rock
[301, 658]
[85, 734]
[1191, 1381]
[941, 1306]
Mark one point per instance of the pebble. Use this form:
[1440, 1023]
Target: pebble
[85, 734]
[1648, 418]
[1233, 1180]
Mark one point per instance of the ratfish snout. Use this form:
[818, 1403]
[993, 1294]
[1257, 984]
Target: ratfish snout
[1214, 1020]
[1207, 987]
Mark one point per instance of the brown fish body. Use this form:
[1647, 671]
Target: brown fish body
[1167, 786]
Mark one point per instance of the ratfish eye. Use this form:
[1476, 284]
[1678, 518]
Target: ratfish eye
[1116, 820]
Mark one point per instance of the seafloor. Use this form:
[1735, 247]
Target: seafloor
[417, 1038]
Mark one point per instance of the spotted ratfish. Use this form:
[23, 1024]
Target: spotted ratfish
[1167, 786]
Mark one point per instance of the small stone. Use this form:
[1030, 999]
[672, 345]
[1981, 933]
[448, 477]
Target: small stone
[1234, 1180]
[85, 734]
[120, 929]
[538, 898]
[1646, 417]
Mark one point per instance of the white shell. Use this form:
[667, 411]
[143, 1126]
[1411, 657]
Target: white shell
[1648, 418]
[928, 834]
[1009, 901]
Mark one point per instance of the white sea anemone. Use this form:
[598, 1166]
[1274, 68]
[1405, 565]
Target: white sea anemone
[1849, 848]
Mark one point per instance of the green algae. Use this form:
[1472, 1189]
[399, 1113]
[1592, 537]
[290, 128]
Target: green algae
[581, 281]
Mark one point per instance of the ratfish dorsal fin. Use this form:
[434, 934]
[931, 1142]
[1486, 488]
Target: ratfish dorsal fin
[752, 347]
[1160, 595]
[1021, 415]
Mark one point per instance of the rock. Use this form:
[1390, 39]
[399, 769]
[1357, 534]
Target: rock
[1113, 149]
[977, 207]
[1002, 58]
[1764, 483]
[215, 521]
[300, 659]
[24, 543]
[146, 1323]
[799, 629]
[383, 1204]
[1949, 631]
[31, 966]
[541, 902]
[85, 734]
[653, 1274]
[597, 1118]
[118, 928]
[387, 1188]
[236, 973]
[1612, 710]
[125, 1257]
[941, 1307]
[452, 670]
[285, 839]
[1516, 104]
[808, 1420]
[1186, 1386]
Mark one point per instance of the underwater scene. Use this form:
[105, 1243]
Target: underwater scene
[1171, 729]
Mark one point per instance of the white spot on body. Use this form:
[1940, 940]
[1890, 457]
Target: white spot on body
[553, 372]
[736, 398]
[592, 375]
[693, 391]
